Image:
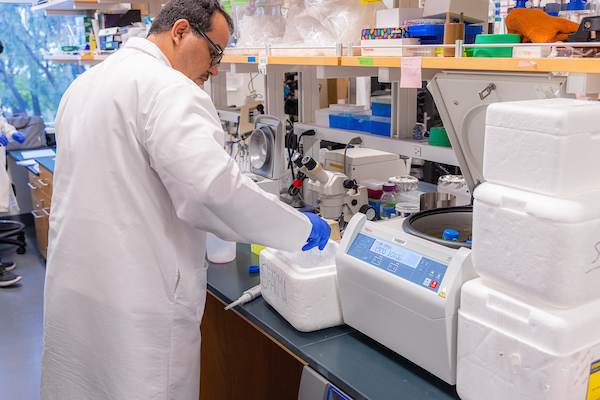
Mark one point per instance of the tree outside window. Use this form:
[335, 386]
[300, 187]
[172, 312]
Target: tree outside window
[29, 84]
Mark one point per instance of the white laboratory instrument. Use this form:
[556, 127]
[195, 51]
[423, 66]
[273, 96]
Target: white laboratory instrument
[266, 146]
[362, 163]
[339, 196]
[403, 291]
[399, 281]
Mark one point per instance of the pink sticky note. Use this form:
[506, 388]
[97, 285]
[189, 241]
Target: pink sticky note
[525, 63]
[410, 72]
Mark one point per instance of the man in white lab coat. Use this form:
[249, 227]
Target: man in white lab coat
[140, 177]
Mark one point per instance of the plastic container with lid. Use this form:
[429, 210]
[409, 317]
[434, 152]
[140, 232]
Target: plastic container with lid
[374, 188]
[381, 126]
[381, 106]
[494, 39]
[347, 108]
[388, 201]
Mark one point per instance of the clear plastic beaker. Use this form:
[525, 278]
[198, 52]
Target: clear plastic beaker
[219, 251]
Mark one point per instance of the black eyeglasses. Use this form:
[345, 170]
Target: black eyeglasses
[218, 51]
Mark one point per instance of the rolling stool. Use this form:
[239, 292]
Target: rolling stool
[8, 229]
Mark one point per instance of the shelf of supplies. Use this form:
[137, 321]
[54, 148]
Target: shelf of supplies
[590, 65]
[405, 147]
[232, 58]
[91, 59]
[70, 6]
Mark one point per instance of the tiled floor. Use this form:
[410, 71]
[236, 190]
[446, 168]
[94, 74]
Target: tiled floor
[21, 316]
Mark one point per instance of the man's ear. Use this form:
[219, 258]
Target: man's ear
[180, 28]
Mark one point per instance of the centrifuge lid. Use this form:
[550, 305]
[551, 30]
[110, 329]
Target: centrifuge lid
[462, 99]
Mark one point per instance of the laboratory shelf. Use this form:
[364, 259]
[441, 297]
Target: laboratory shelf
[356, 364]
[404, 147]
[230, 57]
[591, 65]
[80, 6]
[91, 59]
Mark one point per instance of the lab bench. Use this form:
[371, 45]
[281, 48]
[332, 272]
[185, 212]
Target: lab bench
[237, 361]
[39, 182]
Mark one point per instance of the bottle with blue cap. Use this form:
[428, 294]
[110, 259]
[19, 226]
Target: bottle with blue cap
[450, 234]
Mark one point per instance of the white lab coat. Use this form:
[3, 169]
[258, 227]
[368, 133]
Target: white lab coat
[5, 182]
[140, 176]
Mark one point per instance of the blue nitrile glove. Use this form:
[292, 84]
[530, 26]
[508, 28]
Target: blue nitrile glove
[3, 140]
[319, 235]
[19, 137]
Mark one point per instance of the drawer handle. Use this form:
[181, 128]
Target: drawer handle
[42, 182]
[31, 186]
[37, 216]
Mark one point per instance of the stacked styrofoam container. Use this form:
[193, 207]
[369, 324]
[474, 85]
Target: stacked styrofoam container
[529, 328]
[302, 286]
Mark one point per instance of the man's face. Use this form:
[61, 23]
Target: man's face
[194, 55]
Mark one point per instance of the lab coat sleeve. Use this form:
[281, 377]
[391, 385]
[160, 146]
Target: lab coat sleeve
[6, 128]
[184, 140]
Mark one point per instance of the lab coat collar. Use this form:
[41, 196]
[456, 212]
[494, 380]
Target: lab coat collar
[147, 46]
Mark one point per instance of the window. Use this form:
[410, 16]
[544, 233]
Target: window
[29, 84]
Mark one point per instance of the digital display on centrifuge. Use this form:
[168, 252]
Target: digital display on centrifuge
[398, 260]
[395, 253]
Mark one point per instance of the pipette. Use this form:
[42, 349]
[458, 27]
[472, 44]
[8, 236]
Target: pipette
[247, 296]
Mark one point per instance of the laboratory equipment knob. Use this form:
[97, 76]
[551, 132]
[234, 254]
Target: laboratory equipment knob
[369, 211]
[354, 202]
[309, 163]
[350, 184]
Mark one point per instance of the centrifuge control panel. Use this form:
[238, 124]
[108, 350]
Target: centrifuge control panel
[399, 261]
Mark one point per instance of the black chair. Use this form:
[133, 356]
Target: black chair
[13, 232]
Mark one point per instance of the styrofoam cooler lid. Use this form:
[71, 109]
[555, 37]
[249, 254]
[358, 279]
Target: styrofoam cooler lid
[557, 117]
[551, 329]
[462, 99]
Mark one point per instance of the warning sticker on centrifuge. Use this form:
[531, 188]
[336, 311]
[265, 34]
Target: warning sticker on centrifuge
[594, 382]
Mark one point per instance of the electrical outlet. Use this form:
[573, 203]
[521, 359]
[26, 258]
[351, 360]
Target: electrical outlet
[417, 151]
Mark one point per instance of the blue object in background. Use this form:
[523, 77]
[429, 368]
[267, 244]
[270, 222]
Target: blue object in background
[381, 109]
[339, 121]
[360, 122]
[381, 126]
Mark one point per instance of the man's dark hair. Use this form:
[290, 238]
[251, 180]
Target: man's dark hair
[197, 12]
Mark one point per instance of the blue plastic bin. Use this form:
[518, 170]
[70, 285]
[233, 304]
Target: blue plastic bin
[360, 122]
[434, 34]
[339, 120]
[381, 126]
[381, 109]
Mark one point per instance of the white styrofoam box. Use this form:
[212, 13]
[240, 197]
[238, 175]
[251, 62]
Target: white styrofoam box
[548, 146]
[394, 17]
[547, 248]
[376, 47]
[531, 52]
[302, 286]
[510, 347]
[473, 10]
